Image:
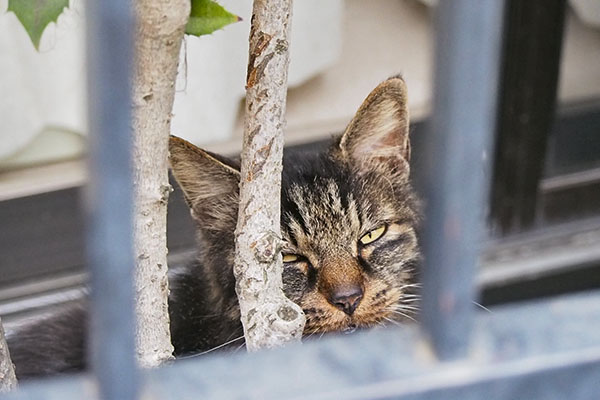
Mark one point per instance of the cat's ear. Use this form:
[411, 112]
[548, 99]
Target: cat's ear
[209, 182]
[377, 136]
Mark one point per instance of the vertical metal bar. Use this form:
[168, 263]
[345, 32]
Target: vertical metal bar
[109, 197]
[468, 36]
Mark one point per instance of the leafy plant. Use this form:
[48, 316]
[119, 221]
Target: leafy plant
[35, 15]
[206, 16]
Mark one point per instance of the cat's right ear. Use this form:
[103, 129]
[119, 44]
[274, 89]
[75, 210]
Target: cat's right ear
[209, 182]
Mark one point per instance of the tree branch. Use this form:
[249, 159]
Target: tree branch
[8, 380]
[268, 317]
[160, 29]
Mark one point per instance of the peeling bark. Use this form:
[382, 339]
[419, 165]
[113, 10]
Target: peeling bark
[8, 380]
[159, 33]
[268, 317]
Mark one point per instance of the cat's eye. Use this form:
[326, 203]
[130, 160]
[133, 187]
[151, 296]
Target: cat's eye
[290, 258]
[373, 235]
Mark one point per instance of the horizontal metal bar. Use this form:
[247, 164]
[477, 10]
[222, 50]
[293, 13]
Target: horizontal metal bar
[545, 378]
[547, 350]
[21, 302]
[534, 255]
[566, 181]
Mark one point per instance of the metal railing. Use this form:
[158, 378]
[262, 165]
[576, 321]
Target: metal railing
[543, 350]
[457, 176]
[109, 198]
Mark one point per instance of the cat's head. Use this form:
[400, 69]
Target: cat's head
[348, 216]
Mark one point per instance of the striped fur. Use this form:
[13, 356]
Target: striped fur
[329, 201]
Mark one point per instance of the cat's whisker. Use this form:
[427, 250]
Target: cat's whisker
[389, 182]
[240, 347]
[409, 303]
[404, 306]
[392, 321]
[400, 305]
[410, 285]
[402, 310]
[482, 307]
[408, 308]
[205, 316]
[404, 315]
[411, 295]
[219, 346]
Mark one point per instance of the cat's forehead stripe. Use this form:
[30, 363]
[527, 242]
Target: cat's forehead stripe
[320, 214]
[297, 215]
[318, 203]
[334, 195]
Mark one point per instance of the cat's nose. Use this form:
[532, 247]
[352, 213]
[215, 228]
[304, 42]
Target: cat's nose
[347, 298]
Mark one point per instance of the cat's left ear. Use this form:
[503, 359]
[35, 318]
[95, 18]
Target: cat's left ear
[377, 136]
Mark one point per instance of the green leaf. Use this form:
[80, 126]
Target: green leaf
[207, 16]
[35, 15]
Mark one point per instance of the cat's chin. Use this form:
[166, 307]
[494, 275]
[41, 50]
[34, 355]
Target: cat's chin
[349, 329]
[365, 318]
[341, 324]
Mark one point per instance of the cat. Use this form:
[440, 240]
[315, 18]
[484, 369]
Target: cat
[349, 221]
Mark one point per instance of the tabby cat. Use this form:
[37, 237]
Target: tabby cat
[348, 221]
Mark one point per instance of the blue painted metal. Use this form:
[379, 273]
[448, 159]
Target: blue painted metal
[544, 350]
[109, 197]
[468, 37]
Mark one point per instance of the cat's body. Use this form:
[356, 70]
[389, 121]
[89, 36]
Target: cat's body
[350, 251]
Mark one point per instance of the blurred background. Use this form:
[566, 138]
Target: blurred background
[545, 201]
